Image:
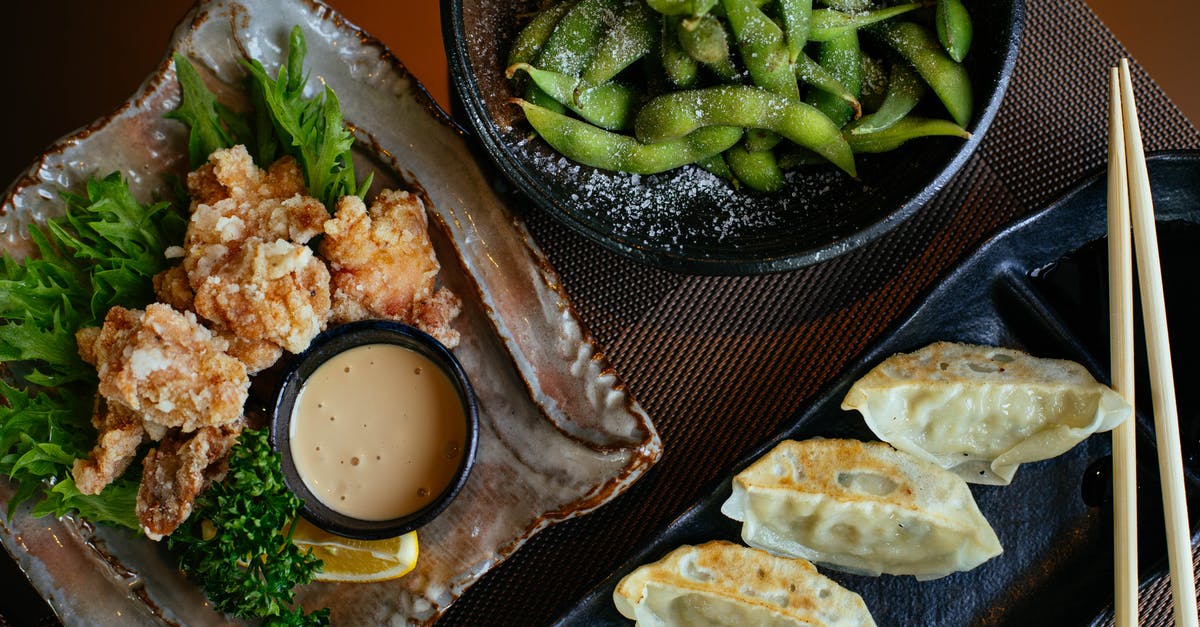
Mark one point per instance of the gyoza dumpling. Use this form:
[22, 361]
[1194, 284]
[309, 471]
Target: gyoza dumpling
[862, 507]
[980, 411]
[721, 583]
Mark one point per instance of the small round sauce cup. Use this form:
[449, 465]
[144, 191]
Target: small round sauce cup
[366, 425]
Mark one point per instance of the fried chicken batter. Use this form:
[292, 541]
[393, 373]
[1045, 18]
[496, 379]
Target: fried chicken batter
[175, 473]
[244, 253]
[119, 433]
[383, 265]
[166, 366]
[171, 287]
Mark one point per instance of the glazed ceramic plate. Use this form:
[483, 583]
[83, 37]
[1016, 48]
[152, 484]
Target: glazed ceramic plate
[559, 436]
[1040, 286]
[687, 220]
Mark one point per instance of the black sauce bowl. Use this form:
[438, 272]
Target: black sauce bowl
[687, 221]
[324, 347]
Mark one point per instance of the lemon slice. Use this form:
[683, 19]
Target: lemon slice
[350, 560]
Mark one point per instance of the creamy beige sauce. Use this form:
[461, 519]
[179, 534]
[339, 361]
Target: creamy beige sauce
[377, 432]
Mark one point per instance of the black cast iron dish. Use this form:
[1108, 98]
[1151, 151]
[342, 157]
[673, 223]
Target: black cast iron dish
[325, 346]
[821, 215]
[1041, 286]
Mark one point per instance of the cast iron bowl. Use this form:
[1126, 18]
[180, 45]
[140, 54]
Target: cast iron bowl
[325, 346]
[688, 221]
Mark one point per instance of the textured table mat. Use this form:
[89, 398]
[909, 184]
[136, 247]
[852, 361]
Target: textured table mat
[720, 363]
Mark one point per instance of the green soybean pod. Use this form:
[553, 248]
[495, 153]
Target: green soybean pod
[905, 90]
[573, 42]
[827, 23]
[528, 45]
[848, 5]
[755, 169]
[704, 39]
[716, 166]
[763, 49]
[529, 42]
[909, 128]
[948, 78]
[954, 28]
[590, 145]
[608, 105]
[757, 140]
[874, 82]
[796, 16]
[679, 66]
[811, 72]
[631, 36]
[676, 114]
[682, 7]
[842, 57]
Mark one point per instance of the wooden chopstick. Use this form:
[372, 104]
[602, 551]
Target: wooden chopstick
[1120, 315]
[1162, 385]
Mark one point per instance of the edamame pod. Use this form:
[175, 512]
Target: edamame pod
[812, 73]
[590, 145]
[682, 7]
[676, 114]
[902, 131]
[704, 39]
[529, 42]
[953, 28]
[947, 78]
[905, 90]
[796, 16]
[828, 24]
[842, 57]
[528, 45]
[680, 68]
[608, 105]
[755, 169]
[874, 82]
[757, 140]
[848, 5]
[763, 50]
[630, 37]
[716, 166]
[573, 42]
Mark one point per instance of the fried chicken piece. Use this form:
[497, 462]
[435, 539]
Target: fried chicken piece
[244, 253]
[231, 173]
[383, 265]
[171, 287]
[277, 292]
[175, 473]
[166, 366]
[120, 432]
[435, 314]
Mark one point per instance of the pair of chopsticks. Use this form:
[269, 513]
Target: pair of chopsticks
[1129, 192]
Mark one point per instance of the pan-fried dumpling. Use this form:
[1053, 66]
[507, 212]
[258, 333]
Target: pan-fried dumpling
[861, 507]
[980, 411]
[721, 583]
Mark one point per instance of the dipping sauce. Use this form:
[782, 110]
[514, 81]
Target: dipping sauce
[377, 432]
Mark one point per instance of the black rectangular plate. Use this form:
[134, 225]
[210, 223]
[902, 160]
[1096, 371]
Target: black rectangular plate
[1040, 285]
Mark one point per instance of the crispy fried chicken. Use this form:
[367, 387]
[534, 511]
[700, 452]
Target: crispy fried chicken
[244, 251]
[383, 265]
[165, 365]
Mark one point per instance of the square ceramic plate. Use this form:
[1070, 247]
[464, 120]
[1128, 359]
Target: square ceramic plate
[559, 436]
[1040, 286]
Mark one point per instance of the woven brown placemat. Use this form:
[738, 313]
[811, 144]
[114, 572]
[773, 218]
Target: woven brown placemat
[721, 362]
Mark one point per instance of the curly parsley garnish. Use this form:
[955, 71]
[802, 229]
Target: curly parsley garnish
[237, 544]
